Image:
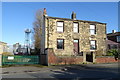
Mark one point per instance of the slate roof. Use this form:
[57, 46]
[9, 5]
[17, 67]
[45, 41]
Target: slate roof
[75, 20]
[111, 42]
[114, 34]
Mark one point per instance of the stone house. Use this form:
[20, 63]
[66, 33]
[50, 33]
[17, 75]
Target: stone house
[72, 37]
[114, 36]
[3, 47]
[112, 45]
[113, 40]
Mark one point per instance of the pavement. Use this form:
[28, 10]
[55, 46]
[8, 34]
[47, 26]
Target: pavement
[33, 69]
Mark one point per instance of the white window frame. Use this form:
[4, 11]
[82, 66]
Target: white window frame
[60, 41]
[93, 43]
[92, 29]
[118, 38]
[60, 26]
[75, 27]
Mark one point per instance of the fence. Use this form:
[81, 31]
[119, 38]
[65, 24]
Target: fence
[10, 60]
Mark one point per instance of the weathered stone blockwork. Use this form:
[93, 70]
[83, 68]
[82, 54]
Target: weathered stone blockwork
[51, 36]
[67, 54]
[52, 59]
[58, 60]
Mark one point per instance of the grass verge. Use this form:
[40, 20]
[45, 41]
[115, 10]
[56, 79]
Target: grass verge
[34, 65]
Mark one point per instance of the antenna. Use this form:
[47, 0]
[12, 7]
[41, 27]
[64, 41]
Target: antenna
[27, 40]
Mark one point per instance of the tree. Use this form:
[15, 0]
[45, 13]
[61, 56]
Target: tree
[37, 30]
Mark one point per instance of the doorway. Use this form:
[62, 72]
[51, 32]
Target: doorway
[89, 57]
[76, 46]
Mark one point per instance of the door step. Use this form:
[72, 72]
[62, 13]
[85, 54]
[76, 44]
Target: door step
[89, 62]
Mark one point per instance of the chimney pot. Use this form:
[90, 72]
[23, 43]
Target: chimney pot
[113, 31]
[45, 12]
[73, 16]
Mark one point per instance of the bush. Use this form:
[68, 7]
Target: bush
[110, 53]
[113, 52]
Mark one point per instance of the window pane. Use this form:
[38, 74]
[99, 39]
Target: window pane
[118, 38]
[113, 46]
[92, 45]
[60, 26]
[92, 31]
[60, 44]
[76, 41]
[92, 26]
[75, 27]
[59, 23]
[60, 29]
[92, 42]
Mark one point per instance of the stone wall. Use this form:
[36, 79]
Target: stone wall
[58, 60]
[50, 58]
[68, 35]
[105, 59]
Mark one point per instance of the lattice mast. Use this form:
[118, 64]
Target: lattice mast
[27, 40]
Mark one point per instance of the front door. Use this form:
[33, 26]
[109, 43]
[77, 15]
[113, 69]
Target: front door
[76, 47]
[89, 57]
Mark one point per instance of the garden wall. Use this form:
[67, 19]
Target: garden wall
[105, 59]
[55, 60]
[51, 59]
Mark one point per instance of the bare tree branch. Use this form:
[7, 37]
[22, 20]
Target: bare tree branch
[37, 29]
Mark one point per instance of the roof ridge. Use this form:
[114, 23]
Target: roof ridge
[76, 20]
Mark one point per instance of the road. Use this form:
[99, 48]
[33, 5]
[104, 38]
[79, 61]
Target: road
[104, 72]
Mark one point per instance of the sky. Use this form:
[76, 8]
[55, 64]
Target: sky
[17, 16]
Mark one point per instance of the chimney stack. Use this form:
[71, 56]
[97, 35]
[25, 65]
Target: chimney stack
[73, 16]
[113, 31]
[45, 12]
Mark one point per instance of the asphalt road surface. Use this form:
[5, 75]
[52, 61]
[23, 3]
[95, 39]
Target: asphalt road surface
[75, 72]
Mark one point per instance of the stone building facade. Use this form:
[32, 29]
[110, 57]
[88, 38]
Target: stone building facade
[114, 36]
[3, 47]
[72, 37]
[113, 40]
